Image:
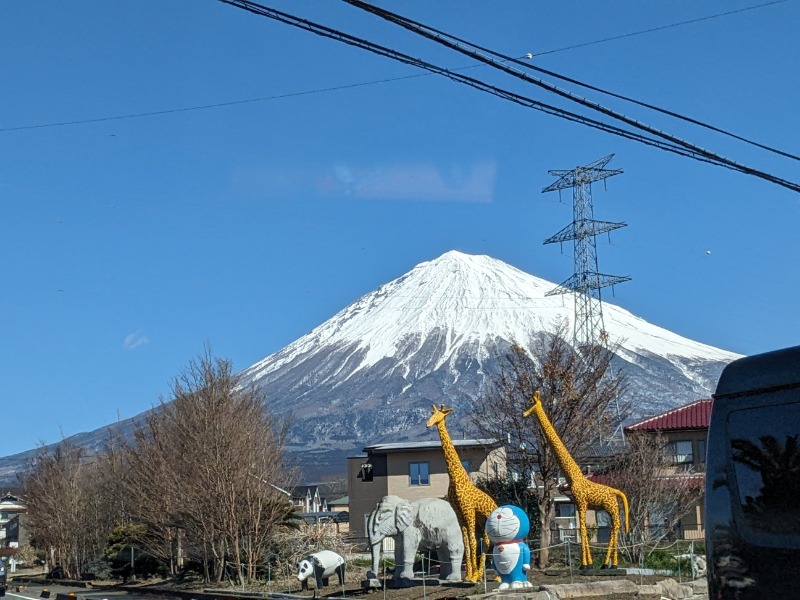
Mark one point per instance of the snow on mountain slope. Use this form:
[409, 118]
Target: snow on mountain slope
[436, 334]
[474, 299]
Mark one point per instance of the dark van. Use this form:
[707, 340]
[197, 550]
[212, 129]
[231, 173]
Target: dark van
[753, 479]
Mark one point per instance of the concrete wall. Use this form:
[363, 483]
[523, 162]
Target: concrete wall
[391, 477]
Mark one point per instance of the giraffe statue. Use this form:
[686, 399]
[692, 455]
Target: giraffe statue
[470, 503]
[587, 494]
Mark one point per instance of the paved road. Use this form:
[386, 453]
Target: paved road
[34, 592]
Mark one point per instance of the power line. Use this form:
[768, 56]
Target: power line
[660, 28]
[340, 36]
[442, 38]
[669, 143]
[464, 46]
[205, 106]
[393, 79]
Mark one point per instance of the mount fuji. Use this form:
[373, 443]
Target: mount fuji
[371, 372]
[436, 334]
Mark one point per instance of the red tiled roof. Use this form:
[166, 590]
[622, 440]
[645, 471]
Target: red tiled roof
[691, 416]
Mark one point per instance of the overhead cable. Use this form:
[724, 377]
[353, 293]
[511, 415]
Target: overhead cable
[392, 79]
[441, 37]
[169, 111]
[464, 47]
[661, 27]
[325, 31]
[668, 143]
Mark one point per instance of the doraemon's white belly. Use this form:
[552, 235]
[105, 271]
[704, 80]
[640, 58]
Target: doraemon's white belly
[506, 557]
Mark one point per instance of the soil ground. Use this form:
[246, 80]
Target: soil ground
[433, 590]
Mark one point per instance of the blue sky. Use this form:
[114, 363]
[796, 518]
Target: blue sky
[128, 244]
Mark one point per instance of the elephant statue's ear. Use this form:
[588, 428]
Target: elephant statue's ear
[404, 515]
[372, 526]
[385, 521]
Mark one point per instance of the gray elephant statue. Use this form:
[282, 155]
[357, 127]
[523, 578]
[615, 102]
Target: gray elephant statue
[426, 524]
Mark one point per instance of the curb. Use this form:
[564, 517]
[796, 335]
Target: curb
[185, 595]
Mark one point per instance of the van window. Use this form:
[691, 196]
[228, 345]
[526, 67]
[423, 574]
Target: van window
[765, 456]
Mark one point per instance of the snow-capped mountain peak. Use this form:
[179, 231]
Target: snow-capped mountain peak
[465, 300]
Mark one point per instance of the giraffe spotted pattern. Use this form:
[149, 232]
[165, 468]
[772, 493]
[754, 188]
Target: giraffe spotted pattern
[472, 505]
[587, 494]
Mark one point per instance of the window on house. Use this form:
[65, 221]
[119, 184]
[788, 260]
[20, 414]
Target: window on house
[603, 518]
[466, 464]
[565, 509]
[682, 452]
[419, 473]
[701, 451]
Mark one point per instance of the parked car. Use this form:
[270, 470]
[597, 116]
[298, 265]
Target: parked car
[753, 479]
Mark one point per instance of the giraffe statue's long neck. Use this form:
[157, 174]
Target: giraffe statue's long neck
[454, 467]
[568, 465]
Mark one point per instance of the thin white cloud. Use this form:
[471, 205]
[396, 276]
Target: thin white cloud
[438, 183]
[432, 182]
[135, 340]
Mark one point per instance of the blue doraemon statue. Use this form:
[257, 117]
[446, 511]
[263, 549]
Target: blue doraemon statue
[507, 527]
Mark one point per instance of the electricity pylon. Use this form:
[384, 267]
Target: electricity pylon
[586, 281]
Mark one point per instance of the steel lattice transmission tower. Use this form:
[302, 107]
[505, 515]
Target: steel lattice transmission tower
[585, 282]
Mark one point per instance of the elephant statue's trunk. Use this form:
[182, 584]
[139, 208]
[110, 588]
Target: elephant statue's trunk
[375, 544]
[376, 557]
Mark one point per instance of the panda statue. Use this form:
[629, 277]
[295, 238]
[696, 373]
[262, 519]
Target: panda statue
[507, 527]
[321, 565]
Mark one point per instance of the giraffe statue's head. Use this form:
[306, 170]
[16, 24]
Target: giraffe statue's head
[438, 415]
[535, 401]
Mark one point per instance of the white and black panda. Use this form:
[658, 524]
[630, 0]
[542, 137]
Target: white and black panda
[321, 565]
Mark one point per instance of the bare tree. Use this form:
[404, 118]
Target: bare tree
[204, 476]
[658, 497]
[336, 484]
[153, 486]
[208, 467]
[577, 388]
[54, 493]
[74, 500]
[106, 505]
